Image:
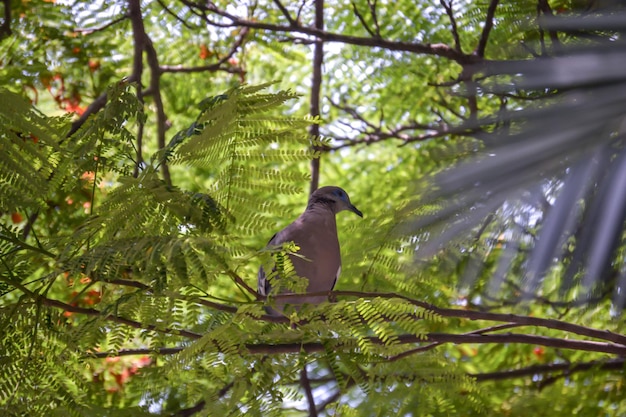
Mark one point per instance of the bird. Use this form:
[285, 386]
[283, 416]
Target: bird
[319, 259]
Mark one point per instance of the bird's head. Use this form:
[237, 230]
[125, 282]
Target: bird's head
[336, 198]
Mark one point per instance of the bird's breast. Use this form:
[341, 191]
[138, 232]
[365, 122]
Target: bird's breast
[321, 263]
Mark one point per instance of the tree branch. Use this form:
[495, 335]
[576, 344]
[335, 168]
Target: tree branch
[617, 345]
[5, 29]
[89, 31]
[240, 281]
[375, 133]
[97, 105]
[439, 49]
[372, 7]
[363, 21]
[306, 386]
[455, 30]
[175, 16]
[203, 68]
[199, 406]
[433, 338]
[139, 39]
[543, 6]
[484, 36]
[155, 87]
[436, 344]
[316, 86]
[212, 305]
[93, 312]
[510, 320]
[11, 238]
[212, 67]
[441, 338]
[564, 368]
[285, 12]
[498, 317]
[142, 42]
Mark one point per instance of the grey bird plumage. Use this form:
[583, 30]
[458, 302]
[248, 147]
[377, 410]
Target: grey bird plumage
[319, 257]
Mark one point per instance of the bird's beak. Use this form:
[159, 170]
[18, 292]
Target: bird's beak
[355, 210]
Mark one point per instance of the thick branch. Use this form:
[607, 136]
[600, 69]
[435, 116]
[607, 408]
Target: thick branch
[155, 87]
[511, 320]
[439, 338]
[139, 39]
[316, 86]
[134, 12]
[478, 337]
[5, 29]
[142, 42]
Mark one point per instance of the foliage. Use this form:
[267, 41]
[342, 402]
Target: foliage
[141, 176]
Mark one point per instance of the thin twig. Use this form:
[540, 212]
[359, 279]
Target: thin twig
[374, 133]
[38, 298]
[348, 384]
[455, 30]
[564, 369]
[372, 6]
[435, 339]
[216, 66]
[363, 21]
[89, 31]
[285, 13]
[175, 16]
[243, 284]
[543, 7]
[498, 317]
[484, 36]
[199, 406]
[306, 386]
[431, 346]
